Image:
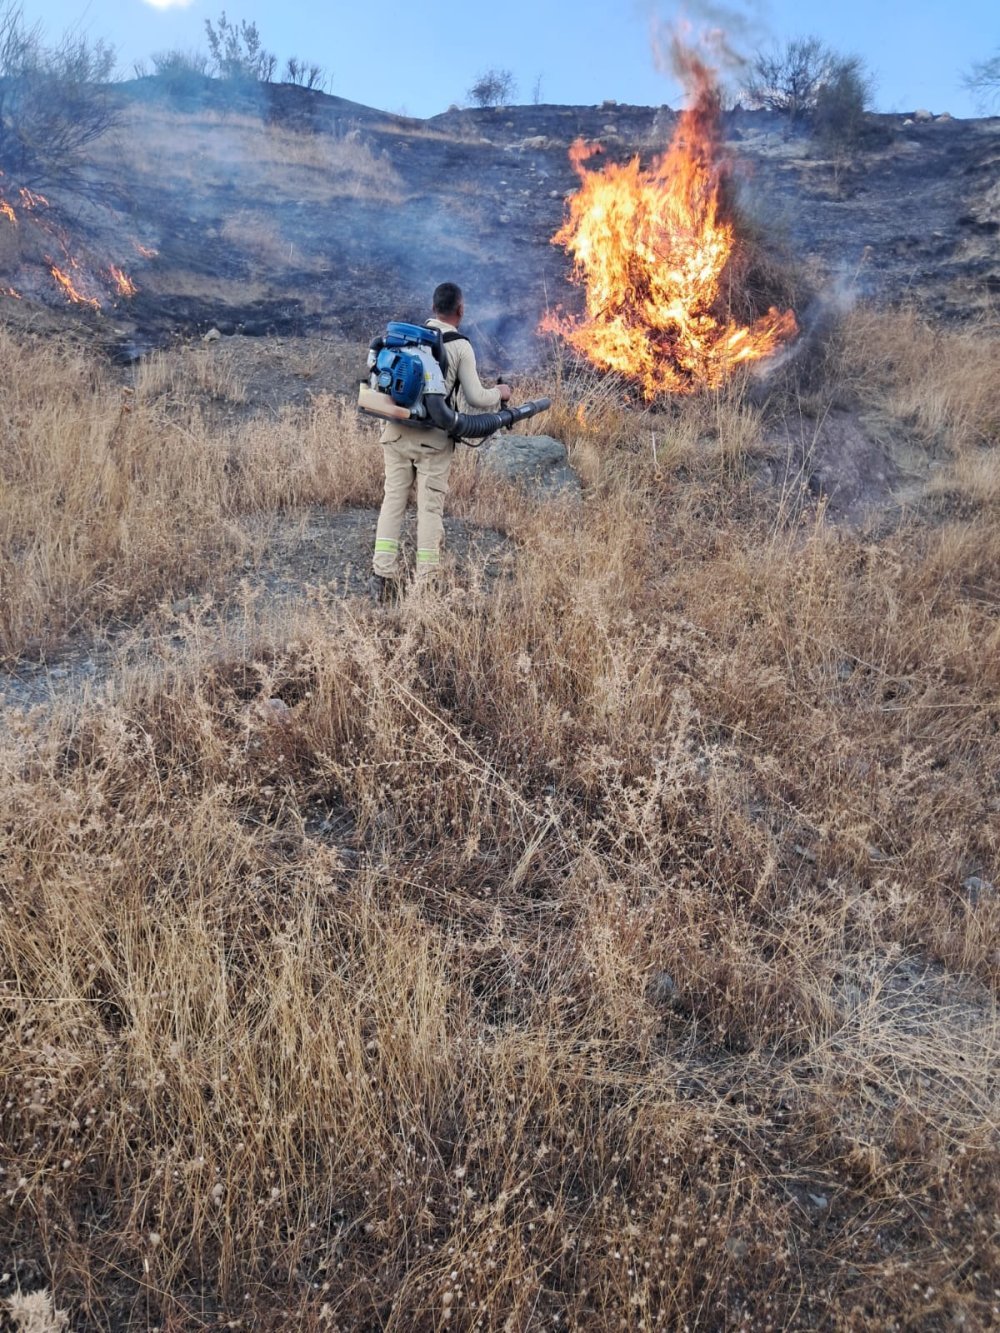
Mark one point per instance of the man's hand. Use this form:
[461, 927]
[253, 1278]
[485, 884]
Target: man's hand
[505, 392]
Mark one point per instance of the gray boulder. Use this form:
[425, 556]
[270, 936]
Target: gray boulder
[537, 462]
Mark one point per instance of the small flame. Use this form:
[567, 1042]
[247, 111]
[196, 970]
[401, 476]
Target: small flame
[31, 200]
[11, 291]
[8, 212]
[651, 248]
[70, 291]
[145, 251]
[123, 283]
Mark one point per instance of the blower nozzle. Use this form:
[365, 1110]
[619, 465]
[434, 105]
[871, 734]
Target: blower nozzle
[464, 426]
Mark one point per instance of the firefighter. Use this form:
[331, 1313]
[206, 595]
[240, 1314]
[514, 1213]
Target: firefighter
[425, 456]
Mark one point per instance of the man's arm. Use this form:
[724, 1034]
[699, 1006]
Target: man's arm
[477, 395]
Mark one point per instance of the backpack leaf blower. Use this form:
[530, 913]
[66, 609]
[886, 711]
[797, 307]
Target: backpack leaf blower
[406, 383]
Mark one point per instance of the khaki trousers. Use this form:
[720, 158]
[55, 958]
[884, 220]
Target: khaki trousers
[425, 457]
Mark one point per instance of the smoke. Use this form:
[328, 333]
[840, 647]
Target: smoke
[715, 36]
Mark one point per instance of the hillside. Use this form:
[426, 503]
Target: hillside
[295, 212]
[605, 939]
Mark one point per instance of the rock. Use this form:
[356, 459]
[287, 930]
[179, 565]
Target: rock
[537, 462]
[819, 1201]
[978, 889]
[555, 194]
[663, 989]
[276, 710]
[212, 336]
[923, 116]
[536, 141]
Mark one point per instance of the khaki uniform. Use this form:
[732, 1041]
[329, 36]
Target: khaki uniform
[425, 456]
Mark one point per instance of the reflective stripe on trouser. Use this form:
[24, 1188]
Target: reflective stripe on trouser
[408, 458]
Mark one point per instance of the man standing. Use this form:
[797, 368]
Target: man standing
[412, 453]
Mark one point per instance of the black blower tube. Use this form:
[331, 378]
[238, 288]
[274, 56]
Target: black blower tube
[462, 426]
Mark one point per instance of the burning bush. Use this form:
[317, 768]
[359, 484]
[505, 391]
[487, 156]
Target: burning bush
[658, 254]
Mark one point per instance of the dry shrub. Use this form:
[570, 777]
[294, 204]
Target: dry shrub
[35, 1313]
[588, 952]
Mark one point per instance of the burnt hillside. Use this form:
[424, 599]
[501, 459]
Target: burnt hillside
[291, 211]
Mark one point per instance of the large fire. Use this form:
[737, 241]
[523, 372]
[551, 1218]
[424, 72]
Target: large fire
[653, 249]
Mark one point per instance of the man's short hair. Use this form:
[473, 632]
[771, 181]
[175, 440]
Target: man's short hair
[447, 298]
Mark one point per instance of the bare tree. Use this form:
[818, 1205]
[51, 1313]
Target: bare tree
[494, 88]
[789, 78]
[304, 74]
[237, 52]
[983, 81]
[54, 101]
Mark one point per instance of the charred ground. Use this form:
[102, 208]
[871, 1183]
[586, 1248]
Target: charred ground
[357, 222]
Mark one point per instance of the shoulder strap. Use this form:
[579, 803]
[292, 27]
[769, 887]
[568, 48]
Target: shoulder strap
[453, 337]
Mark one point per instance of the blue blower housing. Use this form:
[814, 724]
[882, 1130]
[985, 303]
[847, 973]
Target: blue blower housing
[400, 375]
[400, 372]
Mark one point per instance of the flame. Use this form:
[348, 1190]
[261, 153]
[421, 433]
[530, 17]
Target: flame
[145, 251]
[8, 212]
[123, 283]
[651, 248]
[11, 291]
[70, 290]
[31, 200]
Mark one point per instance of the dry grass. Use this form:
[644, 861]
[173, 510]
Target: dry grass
[207, 151]
[589, 953]
[113, 498]
[940, 387]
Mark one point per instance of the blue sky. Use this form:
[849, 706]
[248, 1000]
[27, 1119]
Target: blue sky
[404, 58]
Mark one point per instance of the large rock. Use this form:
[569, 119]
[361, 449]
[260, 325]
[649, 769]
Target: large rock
[537, 462]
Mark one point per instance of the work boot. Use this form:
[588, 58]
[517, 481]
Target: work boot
[382, 589]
